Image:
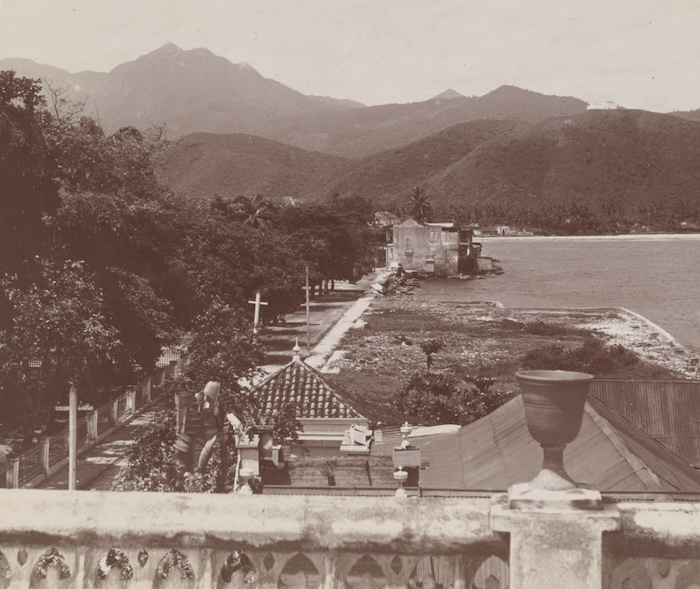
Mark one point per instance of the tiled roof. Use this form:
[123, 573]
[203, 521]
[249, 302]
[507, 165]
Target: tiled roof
[298, 382]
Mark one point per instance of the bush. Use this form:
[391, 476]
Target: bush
[593, 357]
[433, 398]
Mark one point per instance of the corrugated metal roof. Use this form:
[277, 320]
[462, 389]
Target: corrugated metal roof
[496, 451]
[668, 411]
[300, 383]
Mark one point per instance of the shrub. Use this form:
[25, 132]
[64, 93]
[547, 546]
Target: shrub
[433, 398]
[593, 357]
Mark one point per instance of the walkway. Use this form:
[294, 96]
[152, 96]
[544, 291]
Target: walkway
[98, 467]
[331, 316]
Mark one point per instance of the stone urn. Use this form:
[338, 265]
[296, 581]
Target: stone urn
[554, 401]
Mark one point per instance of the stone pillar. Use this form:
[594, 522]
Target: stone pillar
[330, 572]
[114, 413]
[44, 449]
[460, 582]
[13, 473]
[131, 401]
[555, 547]
[249, 451]
[147, 391]
[92, 421]
[207, 576]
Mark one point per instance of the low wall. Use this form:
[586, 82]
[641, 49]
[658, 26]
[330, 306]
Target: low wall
[93, 539]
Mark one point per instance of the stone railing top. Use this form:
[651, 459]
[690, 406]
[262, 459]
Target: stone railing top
[412, 525]
[380, 524]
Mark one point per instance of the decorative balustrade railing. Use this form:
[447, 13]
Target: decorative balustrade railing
[51, 453]
[144, 540]
[137, 540]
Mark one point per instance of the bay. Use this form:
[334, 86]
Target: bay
[657, 276]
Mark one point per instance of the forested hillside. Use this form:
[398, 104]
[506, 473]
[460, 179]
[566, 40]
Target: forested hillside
[205, 165]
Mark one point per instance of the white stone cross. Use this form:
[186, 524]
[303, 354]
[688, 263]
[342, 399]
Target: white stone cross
[257, 302]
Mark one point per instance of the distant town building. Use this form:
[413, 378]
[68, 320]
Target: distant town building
[384, 219]
[602, 105]
[442, 249]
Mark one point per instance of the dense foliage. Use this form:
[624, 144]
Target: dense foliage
[592, 357]
[101, 266]
[432, 398]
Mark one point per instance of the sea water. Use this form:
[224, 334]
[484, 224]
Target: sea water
[657, 276]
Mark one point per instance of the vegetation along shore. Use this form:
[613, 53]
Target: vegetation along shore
[436, 362]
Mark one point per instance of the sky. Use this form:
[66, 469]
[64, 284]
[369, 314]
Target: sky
[638, 53]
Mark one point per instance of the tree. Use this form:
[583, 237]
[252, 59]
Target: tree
[429, 348]
[333, 239]
[28, 188]
[419, 205]
[437, 398]
[255, 211]
[59, 334]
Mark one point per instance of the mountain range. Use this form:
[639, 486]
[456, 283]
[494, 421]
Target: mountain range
[235, 131]
[197, 91]
[626, 157]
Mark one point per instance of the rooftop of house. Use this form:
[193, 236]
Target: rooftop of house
[665, 410]
[610, 453]
[299, 383]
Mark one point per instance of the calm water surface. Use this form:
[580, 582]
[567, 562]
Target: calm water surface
[656, 276]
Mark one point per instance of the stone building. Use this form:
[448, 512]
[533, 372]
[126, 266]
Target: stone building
[432, 248]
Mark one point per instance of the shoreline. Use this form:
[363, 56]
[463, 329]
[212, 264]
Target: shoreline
[618, 324]
[622, 237]
[649, 341]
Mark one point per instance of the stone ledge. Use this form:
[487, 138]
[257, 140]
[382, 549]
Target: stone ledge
[315, 522]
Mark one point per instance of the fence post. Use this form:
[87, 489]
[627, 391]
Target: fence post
[44, 442]
[147, 391]
[92, 421]
[131, 400]
[114, 413]
[13, 473]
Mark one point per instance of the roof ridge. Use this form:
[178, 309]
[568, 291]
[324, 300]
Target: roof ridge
[646, 474]
[299, 373]
[333, 386]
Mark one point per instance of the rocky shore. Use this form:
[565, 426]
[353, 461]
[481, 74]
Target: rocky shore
[486, 339]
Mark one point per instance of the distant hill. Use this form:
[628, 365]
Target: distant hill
[622, 156]
[395, 171]
[691, 115]
[197, 91]
[361, 132]
[187, 90]
[203, 165]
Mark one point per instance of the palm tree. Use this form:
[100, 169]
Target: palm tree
[255, 211]
[419, 205]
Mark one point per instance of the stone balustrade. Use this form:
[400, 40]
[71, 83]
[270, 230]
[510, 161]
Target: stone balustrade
[93, 539]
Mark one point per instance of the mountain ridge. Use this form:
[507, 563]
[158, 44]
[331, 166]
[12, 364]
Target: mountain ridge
[195, 90]
[608, 160]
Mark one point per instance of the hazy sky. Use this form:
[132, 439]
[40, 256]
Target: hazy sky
[638, 53]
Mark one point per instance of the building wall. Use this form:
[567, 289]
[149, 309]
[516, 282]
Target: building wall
[415, 244]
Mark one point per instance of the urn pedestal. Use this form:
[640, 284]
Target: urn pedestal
[554, 402]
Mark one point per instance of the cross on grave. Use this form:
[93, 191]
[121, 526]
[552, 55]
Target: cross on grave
[257, 302]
